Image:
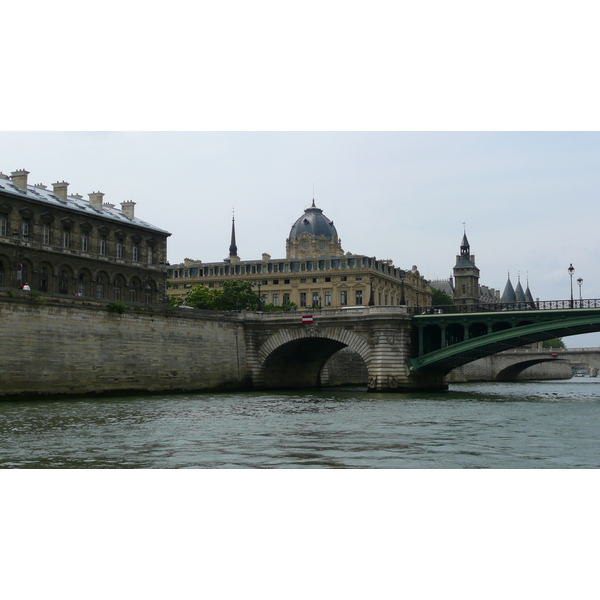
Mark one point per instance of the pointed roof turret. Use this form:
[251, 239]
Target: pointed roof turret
[528, 294]
[519, 293]
[233, 246]
[508, 295]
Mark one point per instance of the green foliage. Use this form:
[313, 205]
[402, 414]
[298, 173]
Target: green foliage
[35, 298]
[553, 343]
[10, 294]
[441, 298]
[234, 295]
[172, 301]
[117, 307]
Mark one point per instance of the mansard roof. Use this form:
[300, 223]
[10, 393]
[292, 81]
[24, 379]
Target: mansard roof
[75, 203]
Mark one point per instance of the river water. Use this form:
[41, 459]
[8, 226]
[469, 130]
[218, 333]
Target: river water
[540, 425]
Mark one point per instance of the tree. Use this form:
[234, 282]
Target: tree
[441, 298]
[553, 343]
[237, 295]
[202, 297]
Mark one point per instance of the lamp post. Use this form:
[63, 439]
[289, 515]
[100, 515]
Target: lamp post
[402, 275]
[580, 282]
[371, 298]
[259, 307]
[571, 270]
[19, 257]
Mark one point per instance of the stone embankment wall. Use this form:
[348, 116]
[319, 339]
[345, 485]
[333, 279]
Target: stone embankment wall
[64, 346]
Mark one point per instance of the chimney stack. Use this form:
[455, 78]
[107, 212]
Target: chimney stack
[60, 189]
[96, 199]
[19, 178]
[128, 208]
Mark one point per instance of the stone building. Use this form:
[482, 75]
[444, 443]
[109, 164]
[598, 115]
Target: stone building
[316, 272]
[60, 243]
[464, 287]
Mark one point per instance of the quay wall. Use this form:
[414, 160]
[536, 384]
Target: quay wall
[64, 346]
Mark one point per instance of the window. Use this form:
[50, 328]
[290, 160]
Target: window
[117, 289]
[286, 281]
[43, 280]
[322, 245]
[1, 274]
[359, 278]
[315, 280]
[3, 224]
[275, 281]
[63, 282]
[343, 278]
[286, 298]
[81, 285]
[150, 255]
[327, 279]
[46, 235]
[25, 229]
[358, 263]
[303, 266]
[102, 249]
[66, 237]
[344, 298]
[303, 280]
[119, 250]
[327, 298]
[135, 253]
[85, 241]
[302, 298]
[315, 299]
[359, 297]
[100, 287]
[305, 245]
[275, 299]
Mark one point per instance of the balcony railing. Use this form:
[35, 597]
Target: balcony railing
[501, 307]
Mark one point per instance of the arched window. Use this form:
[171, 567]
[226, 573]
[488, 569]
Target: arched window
[118, 286]
[1, 274]
[63, 282]
[43, 280]
[100, 287]
[81, 284]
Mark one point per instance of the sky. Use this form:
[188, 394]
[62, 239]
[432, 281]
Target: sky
[526, 199]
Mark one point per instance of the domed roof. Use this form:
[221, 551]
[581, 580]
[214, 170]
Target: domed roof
[313, 222]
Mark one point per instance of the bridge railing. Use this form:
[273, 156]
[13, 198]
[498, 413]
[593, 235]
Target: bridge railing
[504, 306]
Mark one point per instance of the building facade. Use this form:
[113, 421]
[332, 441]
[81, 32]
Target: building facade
[60, 243]
[316, 272]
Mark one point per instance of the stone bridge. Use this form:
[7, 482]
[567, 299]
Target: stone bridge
[401, 352]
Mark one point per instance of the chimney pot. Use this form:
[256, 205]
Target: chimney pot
[96, 199]
[128, 208]
[60, 189]
[19, 178]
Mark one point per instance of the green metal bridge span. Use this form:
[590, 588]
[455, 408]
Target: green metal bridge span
[442, 341]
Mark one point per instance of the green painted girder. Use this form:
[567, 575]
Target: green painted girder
[550, 324]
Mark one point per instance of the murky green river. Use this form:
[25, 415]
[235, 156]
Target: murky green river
[541, 425]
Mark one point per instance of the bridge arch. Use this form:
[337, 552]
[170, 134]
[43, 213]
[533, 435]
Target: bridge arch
[511, 372]
[294, 358]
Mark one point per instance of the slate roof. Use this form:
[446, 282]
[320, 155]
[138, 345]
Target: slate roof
[314, 222]
[46, 196]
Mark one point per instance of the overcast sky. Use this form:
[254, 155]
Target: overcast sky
[529, 200]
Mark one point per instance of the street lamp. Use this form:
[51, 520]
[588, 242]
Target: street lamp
[580, 282]
[259, 307]
[571, 270]
[371, 298]
[402, 275]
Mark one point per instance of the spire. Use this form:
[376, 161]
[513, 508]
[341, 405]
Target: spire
[519, 293]
[508, 295]
[465, 249]
[233, 246]
[528, 294]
